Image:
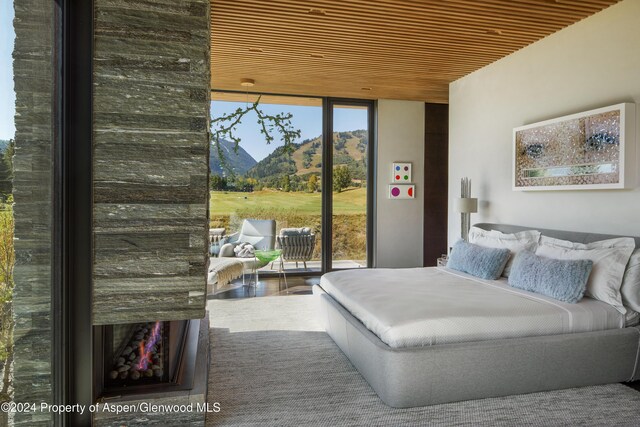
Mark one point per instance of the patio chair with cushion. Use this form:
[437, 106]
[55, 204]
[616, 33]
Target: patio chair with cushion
[297, 244]
[259, 233]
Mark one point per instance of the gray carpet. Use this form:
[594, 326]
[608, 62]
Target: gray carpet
[272, 365]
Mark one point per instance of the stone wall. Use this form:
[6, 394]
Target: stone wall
[151, 142]
[32, 185]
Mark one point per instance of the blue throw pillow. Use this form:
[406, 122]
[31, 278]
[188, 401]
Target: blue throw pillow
[485, 263]
[564, 280]
[214, 248]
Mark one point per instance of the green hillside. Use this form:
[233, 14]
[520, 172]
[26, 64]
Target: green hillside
[349, 149]
[274, 165]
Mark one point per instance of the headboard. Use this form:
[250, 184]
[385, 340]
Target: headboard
[574, 236]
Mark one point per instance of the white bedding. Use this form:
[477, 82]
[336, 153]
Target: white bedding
[414, 307]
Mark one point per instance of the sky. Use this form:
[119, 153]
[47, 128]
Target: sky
[307, 119]
[7, 95]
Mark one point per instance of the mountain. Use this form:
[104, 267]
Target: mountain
[239, 162]
[349, 148]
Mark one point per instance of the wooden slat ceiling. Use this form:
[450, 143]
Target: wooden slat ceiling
[374, 48]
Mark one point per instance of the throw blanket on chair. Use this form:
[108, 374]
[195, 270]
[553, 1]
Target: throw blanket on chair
[223, 270]
[244, 250]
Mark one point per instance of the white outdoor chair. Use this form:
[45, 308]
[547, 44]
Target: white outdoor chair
[260, 233]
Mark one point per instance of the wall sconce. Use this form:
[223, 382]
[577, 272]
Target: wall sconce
[466, 205]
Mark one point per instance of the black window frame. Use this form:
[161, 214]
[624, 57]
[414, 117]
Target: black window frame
[328, 106]
[72, 362]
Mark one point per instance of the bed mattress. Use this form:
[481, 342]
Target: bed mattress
[415, 307]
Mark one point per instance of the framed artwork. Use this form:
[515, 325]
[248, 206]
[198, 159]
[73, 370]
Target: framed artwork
[595, 149]
[401, 172]
[402, 191]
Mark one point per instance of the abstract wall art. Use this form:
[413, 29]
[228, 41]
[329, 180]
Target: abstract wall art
[590, 150]
[401, 172]
[402, 191]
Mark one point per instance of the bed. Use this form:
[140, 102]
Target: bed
[412, 356]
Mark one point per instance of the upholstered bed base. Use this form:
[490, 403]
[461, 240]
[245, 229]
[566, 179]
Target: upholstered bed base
[408, 377]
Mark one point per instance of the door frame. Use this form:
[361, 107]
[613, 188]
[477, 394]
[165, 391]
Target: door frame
[328, 105]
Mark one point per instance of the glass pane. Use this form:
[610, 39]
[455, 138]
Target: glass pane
[261, 180]
[350, 163]
[26, 86]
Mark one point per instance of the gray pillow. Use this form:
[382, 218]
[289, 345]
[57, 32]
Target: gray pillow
[295, 231]
[244, 250]
[485, 263]
[564, 280]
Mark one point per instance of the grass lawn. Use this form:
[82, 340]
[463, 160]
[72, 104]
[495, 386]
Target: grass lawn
[349, 201]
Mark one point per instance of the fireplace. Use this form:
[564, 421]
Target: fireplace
[144, 357]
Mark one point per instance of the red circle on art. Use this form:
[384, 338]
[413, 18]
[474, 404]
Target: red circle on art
[397, 177]
[395, 191]
[410, 192]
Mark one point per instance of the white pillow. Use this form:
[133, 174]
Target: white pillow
[609, 258]
[631, 283]
[521, 241]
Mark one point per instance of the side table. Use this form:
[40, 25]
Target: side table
[264, 257]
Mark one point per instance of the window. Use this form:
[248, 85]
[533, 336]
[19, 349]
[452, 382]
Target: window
[300, 189]
[27, 82]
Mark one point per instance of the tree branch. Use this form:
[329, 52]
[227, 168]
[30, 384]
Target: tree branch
[227, 123]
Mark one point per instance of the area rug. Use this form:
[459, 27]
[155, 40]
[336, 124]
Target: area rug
[272, 365]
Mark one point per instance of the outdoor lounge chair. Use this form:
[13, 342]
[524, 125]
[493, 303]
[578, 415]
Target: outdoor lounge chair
[297, 244]
[260, 233]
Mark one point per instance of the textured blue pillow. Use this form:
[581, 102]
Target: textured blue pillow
[564, 280]
[486, 263]
[214, 248]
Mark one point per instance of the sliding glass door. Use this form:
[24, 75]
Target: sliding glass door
[262, 179]
[321, 185]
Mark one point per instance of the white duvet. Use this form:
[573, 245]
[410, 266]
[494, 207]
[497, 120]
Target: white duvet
[413, 307]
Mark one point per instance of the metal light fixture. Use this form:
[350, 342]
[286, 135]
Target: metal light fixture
[466, 205]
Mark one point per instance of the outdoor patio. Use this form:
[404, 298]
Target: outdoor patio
[312, 266]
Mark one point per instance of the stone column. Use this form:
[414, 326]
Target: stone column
[151, 142]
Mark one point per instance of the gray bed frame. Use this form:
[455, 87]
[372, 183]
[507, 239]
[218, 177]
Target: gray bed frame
[420, 376]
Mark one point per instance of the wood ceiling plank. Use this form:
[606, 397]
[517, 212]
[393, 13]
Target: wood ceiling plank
[398, 49]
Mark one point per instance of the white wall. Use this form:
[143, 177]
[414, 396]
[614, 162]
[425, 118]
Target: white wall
[400, 131]
[593, 63]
